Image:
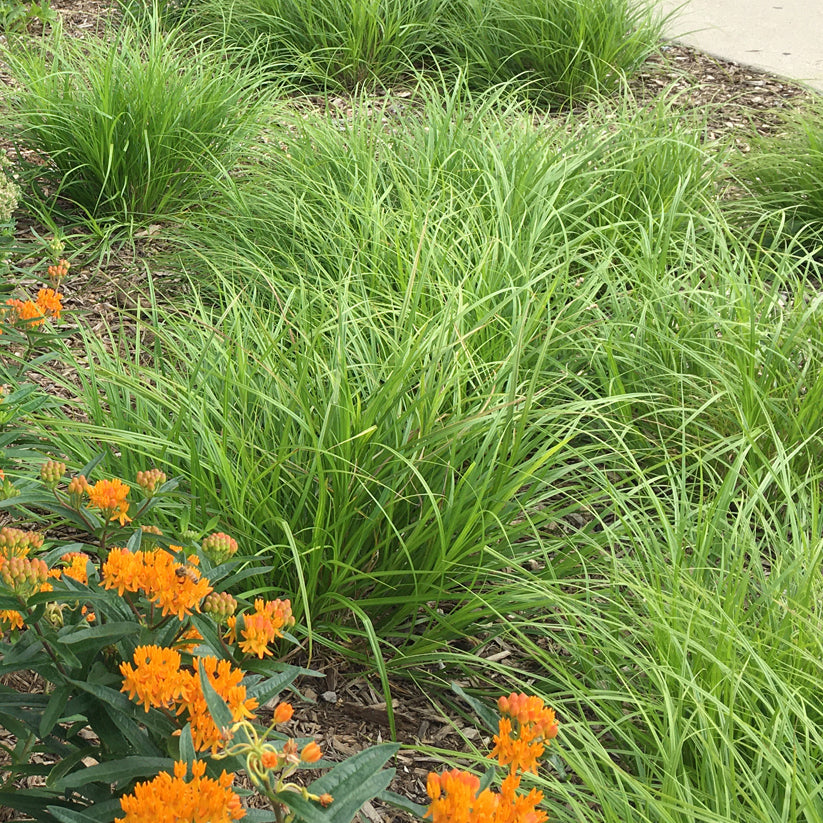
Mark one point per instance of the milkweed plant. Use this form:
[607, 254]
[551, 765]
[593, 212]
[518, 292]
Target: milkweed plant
[155, 677]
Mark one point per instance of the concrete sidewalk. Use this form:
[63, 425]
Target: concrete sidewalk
[784, 37]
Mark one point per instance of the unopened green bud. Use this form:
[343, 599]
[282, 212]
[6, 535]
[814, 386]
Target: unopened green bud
[24, 576]
[150, 480]
[7, 490]
[219, 547]
[220, 605]
[18, 542]
[52, 472]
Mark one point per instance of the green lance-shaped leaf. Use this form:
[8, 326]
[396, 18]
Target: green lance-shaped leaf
[186, 751]
[57, 702]
[488, 716]
[220, 712]
[351, 783]
[121, 771]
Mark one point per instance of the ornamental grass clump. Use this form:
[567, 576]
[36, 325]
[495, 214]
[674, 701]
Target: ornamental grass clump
[131, 128]
[782, 173]
[332, 44]
[560, 51]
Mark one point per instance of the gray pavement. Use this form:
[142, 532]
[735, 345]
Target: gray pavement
[784, 37]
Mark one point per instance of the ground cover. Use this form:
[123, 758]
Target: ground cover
[509, 399]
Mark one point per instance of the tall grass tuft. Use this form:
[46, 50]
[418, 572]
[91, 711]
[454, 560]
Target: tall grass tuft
[132, 128]
[561, 52]
[331, 44]
[378, 380]
[673, 619]
[783, 174]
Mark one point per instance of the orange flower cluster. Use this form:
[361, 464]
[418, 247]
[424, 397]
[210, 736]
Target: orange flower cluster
[110, 497]
[526, 726]
[189, 640]
[455, 799]
[226, 682]
[262, 626]
[29, 314]
[177, 588]
[76, 566]
[11, 619]
[51, 302]
[58, 272]
[156, 679]
[168, 799]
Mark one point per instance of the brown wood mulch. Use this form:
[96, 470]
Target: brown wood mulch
[346, 711]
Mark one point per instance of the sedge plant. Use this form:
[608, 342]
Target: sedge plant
[130, 129]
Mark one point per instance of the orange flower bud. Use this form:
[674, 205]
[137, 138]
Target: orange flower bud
[77, 486]
[283, 713]
[311, 753]
[270, 759]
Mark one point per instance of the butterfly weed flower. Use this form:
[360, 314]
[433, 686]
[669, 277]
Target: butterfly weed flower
[225, 679]
[153, 678]
[177, 588]
[188, 640]
[123, 570]
[24, 313]
[262, 626]
[168, 799]
[110, 497]
[76, 567]
[455, 799]
[10, 619]
[50, 302]
[526, 726]
[524, 729]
